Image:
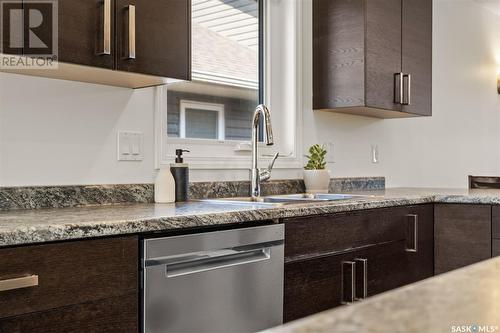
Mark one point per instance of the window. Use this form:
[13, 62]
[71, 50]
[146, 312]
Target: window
[244, 52]
[225, 73]
[201, 120]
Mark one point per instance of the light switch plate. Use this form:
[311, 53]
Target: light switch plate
[130, 146]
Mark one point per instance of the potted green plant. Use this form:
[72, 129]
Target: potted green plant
[316, 177]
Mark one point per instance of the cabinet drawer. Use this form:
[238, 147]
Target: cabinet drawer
[316, 235]
[315, 285]
[68, 273]
[118, 314]
[462, 235]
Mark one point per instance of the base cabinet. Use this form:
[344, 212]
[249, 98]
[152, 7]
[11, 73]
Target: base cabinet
[75, 286]
[319, 284]
[117, 314]
[462, 235]
[394, 248]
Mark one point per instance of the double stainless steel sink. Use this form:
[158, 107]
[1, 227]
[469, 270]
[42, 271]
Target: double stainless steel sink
[288, 199]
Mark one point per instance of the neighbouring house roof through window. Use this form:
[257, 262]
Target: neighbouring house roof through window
[225, 42]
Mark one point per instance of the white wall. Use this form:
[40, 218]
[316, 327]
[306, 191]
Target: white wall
[60, 132]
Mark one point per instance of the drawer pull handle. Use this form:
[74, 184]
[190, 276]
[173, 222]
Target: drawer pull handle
[19, 283]
[105, 48]
[406, 100]
[131, 33]
[412, 233]
[398, 88]
[362, 278]
[348, 284]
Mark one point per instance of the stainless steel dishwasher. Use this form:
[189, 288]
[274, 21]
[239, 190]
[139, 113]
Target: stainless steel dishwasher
[225, 281]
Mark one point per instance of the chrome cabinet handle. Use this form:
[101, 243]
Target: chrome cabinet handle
[348, 283]
[131, 33]
[406, 89]
[19, 283]
[412, 233]
[106, 29]
[398, 88]
[217, 262]
[361, 277]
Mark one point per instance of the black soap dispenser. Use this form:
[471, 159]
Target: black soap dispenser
[180, 172]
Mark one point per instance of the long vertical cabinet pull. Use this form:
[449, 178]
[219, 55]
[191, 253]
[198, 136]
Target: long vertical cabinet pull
[398, 88]
[131, 33]
[411, 233]
[105, 48]
[361, 278]
[406, 89]
[348, 284]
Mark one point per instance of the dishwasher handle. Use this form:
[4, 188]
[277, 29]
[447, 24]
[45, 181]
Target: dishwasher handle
[217, 260]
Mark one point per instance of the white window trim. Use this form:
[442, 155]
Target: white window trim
[282, 93]
[219, 108]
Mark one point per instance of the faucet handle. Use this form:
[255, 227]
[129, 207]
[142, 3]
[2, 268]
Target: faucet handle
[271, 164]
[266, 173]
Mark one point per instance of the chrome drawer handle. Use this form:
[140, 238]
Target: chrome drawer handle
[406, 89]
[106, 29]
[349, 282]
[131, 32]
[363, 271]
[19, 283]
[398, 88]
[412, 233]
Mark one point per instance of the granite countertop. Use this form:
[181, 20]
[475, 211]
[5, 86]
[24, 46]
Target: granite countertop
[43, 225]
[465, 300]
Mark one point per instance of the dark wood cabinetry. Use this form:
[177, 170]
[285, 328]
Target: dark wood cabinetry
[151, 39]
[382, 53]
[321, 283]
[81, 33]
[462, 235]
[89, 285]
[495, 226]
[416, 53]
[162, 37]
[110, 315]
[373, 58]
[331, 258]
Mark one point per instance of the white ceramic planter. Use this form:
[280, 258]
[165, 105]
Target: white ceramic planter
[317, 181]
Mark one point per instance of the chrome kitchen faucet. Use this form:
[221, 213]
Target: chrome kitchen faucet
[256, 175]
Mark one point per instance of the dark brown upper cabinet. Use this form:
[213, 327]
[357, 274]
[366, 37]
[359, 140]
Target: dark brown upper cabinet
[153, 37]
[84, 29]
[129, 43]
[373, 57]
[139, 36]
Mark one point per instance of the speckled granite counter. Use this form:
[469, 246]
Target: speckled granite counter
[465, 300]
[34, 226]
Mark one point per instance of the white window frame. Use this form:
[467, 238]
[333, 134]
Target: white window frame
[283, 92]
[219, 108]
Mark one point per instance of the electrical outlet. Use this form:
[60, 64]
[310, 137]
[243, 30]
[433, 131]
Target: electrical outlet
[375, 154]
[130, 146]
[330, 152]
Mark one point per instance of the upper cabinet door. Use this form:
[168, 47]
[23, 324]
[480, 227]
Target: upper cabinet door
[338, 54]
[86, 32]
[417, 55]
[154, 37]
[383, 52]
